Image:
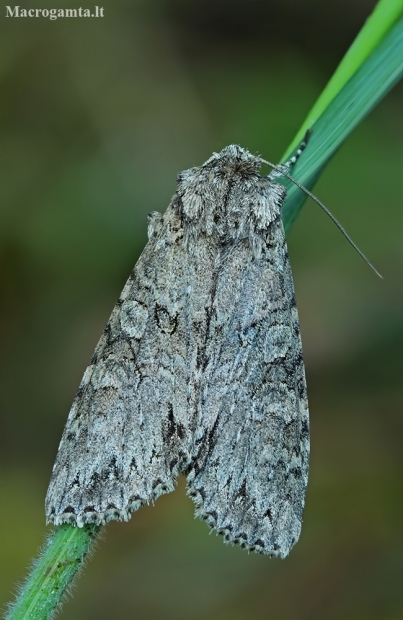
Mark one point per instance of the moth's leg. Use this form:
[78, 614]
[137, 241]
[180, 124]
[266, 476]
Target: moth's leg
[274, 174]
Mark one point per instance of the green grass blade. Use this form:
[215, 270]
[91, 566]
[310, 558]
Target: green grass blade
[61, 558]
[377, 75]
[379, 23]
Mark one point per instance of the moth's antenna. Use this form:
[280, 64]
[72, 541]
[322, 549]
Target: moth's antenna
[283, 172]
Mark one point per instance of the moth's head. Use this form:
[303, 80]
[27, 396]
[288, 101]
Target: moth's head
[226, 198]
[233, 160]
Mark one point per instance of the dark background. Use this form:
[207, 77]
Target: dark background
[97, 118]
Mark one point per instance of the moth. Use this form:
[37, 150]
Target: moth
[199, 370]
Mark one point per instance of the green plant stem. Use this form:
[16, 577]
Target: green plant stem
[376, 76]
[379, 23]
[61, 558]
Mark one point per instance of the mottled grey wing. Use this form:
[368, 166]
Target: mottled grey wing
[129, 431]
[250, 459]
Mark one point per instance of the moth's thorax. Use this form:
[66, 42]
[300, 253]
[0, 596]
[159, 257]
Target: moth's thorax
[226, 197]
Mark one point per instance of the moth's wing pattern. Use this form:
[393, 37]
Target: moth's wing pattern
[199, 370]
[129, 433]
[250, 458]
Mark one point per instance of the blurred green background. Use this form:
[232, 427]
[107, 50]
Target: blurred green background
[97, 118]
